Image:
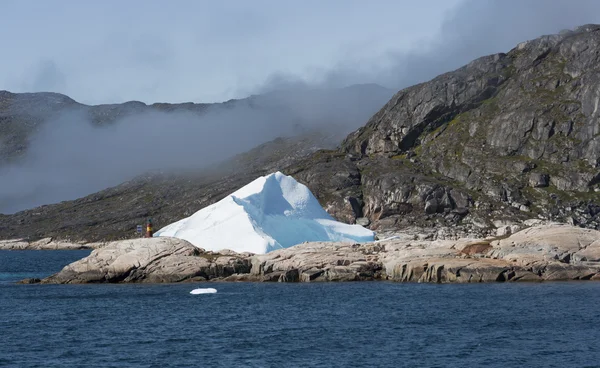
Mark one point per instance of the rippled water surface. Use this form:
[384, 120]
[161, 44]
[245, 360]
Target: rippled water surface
[370, 324]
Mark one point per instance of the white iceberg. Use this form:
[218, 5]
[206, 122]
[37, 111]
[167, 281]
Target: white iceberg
[272, 212]
[203, 291]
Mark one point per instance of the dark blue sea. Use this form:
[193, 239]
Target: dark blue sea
[369, 324]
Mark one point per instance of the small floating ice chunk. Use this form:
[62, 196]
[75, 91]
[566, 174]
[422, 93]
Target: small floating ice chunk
[203, 291]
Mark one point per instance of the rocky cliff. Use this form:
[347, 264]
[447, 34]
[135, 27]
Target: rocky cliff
[504, 138]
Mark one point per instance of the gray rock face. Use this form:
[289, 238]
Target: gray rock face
[551, 252]
[363, 221]
[538, 180]
[391, 193]
[399, 124]
[518, 133]
[537, 103]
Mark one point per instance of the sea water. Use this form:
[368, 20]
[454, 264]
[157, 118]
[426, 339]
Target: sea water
[366, 324]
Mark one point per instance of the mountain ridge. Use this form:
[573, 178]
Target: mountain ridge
[60, 150]
[21, 114]
[508, 139]
[515, 132]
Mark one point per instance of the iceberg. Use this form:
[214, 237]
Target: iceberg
[272, 212]
[203, 291]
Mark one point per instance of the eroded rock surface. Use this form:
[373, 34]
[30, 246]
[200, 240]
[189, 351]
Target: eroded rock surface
[150, 260]
[45, 244]
[542, 253]
[513, 135]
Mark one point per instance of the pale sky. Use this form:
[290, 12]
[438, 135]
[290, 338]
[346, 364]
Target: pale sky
[204, 51]
[111, 51]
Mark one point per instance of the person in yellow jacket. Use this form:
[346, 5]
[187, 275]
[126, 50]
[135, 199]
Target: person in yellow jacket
[149, 229]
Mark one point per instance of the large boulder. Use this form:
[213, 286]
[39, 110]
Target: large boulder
[567, 244]
[149, 260]
[319, 261]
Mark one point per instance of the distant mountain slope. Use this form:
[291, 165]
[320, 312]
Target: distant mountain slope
[507, 138]
[21, 114]
[113, 213]
[53, 148]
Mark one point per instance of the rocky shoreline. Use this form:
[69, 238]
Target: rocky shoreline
[46, 244]
[542, 253]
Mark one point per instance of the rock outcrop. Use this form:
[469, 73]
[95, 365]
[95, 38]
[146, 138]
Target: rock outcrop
[543, 253]
[45, 244]
[509, 136]
[151, 260]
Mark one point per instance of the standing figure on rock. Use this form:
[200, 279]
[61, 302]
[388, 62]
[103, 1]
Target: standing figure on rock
[149, 229]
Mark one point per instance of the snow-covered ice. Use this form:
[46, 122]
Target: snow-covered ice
[272, 212]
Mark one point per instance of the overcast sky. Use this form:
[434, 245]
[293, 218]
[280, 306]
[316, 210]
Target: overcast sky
[204, 51]
[111, 51]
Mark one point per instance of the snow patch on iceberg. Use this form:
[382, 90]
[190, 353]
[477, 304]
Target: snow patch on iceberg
[272, 212]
